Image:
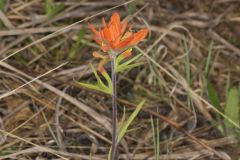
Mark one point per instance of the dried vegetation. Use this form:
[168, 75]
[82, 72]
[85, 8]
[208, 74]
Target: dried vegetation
[193, 44]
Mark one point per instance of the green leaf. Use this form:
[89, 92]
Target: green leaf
[187, 62]
[126, 65]
[213, 95]
[232, 109]
[124, 125]
[132, 59]
[207, 66]
[109, 81]
[100, 86]
[2, 4]
[214, 98]
[7, 151]
[239, 93]
[123, 128]
[92, 86]
[121, 57]
[78, 45]
[123, 117]
[123, 68]
[51, 9]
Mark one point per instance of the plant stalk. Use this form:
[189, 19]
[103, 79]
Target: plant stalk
[114, 108]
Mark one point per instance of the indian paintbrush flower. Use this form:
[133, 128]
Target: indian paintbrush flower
[116, 42]
[113, 37]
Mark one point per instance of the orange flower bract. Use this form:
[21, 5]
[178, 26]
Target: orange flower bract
[114, 36]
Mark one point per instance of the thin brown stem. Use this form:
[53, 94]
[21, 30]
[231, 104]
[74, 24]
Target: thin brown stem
[114, 109]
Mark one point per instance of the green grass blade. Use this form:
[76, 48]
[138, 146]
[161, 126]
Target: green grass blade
[215, 101]
[187, 70]
[50, 129]
[154, 137]
[158, 138]
[209, 57]
[123, 129]
[213, 95]
[51, 9]
[187, 62]
[232, 108]
[78, 45]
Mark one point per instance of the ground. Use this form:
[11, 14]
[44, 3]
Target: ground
[189, 78]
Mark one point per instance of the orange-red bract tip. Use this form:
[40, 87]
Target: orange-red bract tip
[127, 53]
[140, 35]
[93, 29]
[124, 26]
[115, 18]
[101, 64]
[104, 23]
[99, 55]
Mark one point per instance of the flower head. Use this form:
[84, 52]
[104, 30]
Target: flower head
[113, 36]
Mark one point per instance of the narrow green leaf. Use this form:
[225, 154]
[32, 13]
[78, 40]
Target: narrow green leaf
[132, 59]
[124, 125]
[154, 136]
[92, 86]
[110, 153]
[123, 129]
[109, 81]
[239, 94]
[213, 95]
[126, 65]
[99, 81]
[81, 35]
[214, 98]
[122, 68]
[232, 108]
[158, 137]
[51, 9]
[121, 57]
[78, 45]
[123, 117]
[210, 48]
[100, 86]
[187, 62]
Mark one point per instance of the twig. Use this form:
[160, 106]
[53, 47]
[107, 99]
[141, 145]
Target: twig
[34, 79]
[59, 136]
[6, 21]
[218, 38]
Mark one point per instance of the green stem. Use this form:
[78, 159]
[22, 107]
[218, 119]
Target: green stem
[114, 108]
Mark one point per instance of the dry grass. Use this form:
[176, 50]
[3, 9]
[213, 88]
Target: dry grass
[46, 115]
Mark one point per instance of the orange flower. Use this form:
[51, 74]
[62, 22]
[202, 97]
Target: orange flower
[114, 36]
